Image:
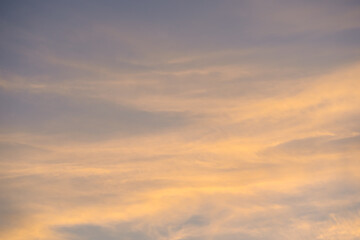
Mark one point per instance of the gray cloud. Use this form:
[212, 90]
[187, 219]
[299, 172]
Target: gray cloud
[131, 230]
[76, 118]
[13, 151]
[315, 145]
[10, 215]
[35, 32]
[94, 232]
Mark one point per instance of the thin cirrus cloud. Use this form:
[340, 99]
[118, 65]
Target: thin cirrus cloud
[179, 120]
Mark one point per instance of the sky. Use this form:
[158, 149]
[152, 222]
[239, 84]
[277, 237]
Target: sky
[180, 120]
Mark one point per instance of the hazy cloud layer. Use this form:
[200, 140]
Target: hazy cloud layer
[192, 120]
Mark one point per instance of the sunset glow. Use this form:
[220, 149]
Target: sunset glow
[180, 120]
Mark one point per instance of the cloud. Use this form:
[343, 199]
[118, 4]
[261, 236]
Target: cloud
[11, 216]
[316, 145]
[63, 42]
[179, 120]
[15, 151]
[76, 118]
[93, 232]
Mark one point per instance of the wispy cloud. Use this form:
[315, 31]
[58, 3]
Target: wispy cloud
[179, 120]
